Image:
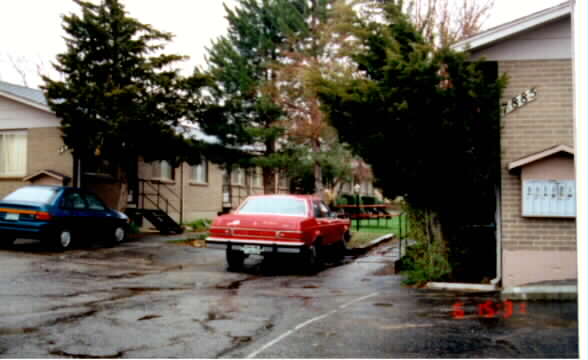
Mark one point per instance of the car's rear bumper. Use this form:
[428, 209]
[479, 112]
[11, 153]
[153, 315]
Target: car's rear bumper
[29, 231]
[266, 246]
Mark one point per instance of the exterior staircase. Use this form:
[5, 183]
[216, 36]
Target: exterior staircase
[159, 218]
[154, 206]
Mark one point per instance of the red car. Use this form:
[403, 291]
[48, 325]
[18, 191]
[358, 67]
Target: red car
[271, 224]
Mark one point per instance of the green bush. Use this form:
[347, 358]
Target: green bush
[200, 225]
[428, 259]
[134, 228]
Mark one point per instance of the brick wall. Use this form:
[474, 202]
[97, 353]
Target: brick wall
[546, 122]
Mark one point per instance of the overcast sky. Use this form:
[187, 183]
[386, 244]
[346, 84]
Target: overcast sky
[31, 34]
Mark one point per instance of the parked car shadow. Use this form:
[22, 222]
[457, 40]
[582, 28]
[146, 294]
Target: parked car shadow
[44, 248]
[283, 265]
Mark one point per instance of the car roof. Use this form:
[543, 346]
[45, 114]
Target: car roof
[46, 186]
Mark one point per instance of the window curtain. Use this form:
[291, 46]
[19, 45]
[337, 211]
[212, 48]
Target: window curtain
[200, 172]
[162, 170]
[13, 153]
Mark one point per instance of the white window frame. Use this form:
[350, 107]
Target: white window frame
[8, 160]
[163, 171]
[238, 176]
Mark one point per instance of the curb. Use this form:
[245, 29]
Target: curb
[377, 241]
[541, 292]
[461, 287]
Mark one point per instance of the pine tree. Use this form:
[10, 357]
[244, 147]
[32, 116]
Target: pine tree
[121, 97]
[240, 63]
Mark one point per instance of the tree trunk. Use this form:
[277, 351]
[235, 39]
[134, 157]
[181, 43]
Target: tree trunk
[230, 184]
[269, 181]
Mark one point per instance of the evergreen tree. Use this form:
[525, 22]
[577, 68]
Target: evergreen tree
[245, 118]
[427, 121]
[121, 98]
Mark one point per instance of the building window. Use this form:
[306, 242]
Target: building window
[13, 153]
[162, 170]
[346, 188]
[200, 172]
[238, 176]
[364, 188]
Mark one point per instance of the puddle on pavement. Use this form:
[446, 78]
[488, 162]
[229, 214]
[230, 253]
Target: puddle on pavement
[17, 331]
[149, 317]
[386, 270]
[235, 284]
[383, 304]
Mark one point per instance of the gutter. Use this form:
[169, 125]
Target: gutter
[498, 277]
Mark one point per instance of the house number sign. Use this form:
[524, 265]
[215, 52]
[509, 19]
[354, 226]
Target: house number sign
[519, 101]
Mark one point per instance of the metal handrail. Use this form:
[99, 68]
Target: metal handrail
[158, 195]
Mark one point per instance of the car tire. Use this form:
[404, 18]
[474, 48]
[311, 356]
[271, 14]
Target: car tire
[311, 259]
[235, 259]
[341, 246]
[7, 243]
[118, 235]
[63, 239]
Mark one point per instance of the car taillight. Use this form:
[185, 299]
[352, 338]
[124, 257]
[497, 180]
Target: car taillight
[217, 231]
[43, 216]
[290, 235]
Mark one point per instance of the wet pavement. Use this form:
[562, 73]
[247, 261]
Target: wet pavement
[148, 298]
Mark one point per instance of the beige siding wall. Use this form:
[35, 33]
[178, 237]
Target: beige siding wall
[203, 200]
[43, 152]
[43, 140]
[546, 122]
[15, 115]
[200, 200]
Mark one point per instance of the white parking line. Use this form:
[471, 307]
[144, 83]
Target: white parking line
[307, 322]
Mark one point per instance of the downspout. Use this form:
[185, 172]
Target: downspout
[181, 193]
[498, 215]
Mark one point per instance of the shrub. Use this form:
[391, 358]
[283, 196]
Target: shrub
[200, 225]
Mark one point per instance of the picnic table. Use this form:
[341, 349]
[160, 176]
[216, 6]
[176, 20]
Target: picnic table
[366, 212]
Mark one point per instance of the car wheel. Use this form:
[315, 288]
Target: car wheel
[235, 259]
[341, 246]
[64, 239]
[311, 259]
[7, 243]
[118, 235]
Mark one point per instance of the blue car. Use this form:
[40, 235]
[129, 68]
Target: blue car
[59, 215]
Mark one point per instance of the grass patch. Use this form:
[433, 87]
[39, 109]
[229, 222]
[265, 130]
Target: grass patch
[370, 230]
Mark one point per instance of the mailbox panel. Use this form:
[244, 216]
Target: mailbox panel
[549, 198]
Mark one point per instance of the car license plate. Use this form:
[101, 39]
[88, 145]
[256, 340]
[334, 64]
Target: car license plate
[11, 216]
[251, 249]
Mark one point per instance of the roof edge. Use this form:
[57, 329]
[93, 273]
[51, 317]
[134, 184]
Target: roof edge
[508, 29]
[50, 173]
[26, 102]
[540, 155]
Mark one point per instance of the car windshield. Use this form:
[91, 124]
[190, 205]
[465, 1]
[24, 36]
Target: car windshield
[274, 205]
[42, 195]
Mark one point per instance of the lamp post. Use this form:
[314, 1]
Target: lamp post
[356, 190]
